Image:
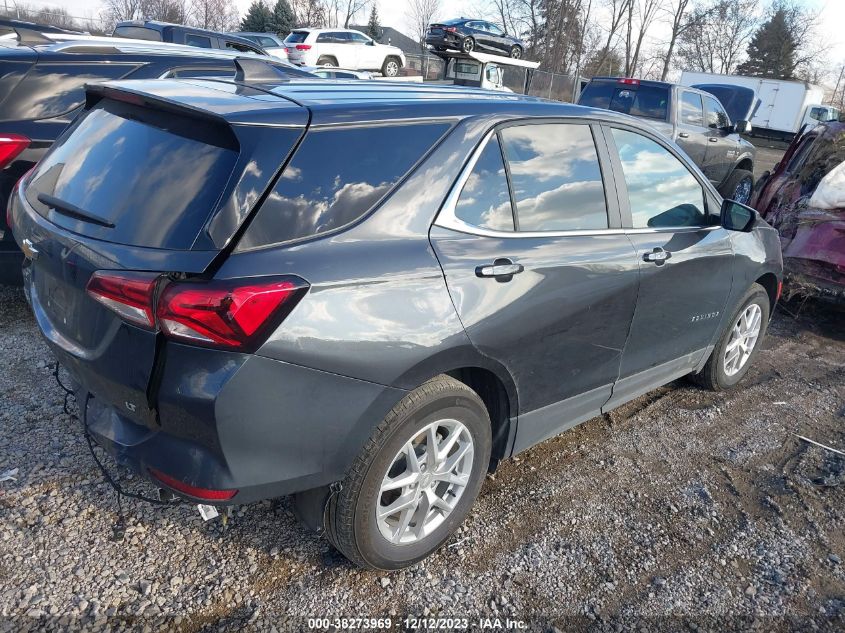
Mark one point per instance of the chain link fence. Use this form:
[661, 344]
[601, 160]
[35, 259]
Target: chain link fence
[544, 84]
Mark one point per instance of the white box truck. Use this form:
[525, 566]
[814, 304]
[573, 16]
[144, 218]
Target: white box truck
[785, 106]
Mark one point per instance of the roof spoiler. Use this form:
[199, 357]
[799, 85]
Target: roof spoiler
[257, 71]
[29, 36]
[95, 92]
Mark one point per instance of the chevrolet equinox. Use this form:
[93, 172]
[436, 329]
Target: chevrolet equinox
[366, 294]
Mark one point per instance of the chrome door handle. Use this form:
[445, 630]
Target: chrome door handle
[683, 135]
[658, 256]
[502, 269]
[713, 139]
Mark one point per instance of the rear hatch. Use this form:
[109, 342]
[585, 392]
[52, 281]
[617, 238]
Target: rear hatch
[154, 178]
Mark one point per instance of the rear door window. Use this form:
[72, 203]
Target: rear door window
[555, 177]
[485, 199]
[138, 33]
[199, 41]
[692, 112]
[50, 90]
[156, 177]
[336, 176]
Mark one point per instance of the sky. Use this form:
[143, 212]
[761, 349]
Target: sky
[392, 13]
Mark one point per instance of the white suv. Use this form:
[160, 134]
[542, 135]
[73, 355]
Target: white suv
[344, 48]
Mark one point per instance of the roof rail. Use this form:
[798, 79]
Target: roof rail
[30, 36]
[256, 71]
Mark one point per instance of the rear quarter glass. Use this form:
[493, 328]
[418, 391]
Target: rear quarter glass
[336, 177]
[155, 176]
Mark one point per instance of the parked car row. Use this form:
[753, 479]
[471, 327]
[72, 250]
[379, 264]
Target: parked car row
[43, 90]
[364, 295]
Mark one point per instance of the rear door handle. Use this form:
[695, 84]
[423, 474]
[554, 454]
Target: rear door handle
[502, 269]
[713, 139]
[657, 256]
[683, 135]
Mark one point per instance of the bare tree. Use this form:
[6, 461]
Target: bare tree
[677, 11]
[419, 14]
[217, 15]
[175, 11]
[309, 12]
[716, 36]
[645, 12]
[618, 16]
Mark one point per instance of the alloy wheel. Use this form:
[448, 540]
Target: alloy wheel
[424, 482]
[392, 69]
[743, 339]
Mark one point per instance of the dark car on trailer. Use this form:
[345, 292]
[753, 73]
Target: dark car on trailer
[367, 294]
[695, 119]
[469, 35]
[42, 89]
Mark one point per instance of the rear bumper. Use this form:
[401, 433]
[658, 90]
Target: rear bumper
[450, 40]
[814, 279]
[240, 422]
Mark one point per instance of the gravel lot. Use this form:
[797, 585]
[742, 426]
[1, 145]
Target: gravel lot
[683, 509]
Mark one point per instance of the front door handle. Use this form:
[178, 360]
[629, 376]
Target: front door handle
[713, 139]
[503, 269]
[658, 256]
[683, 135]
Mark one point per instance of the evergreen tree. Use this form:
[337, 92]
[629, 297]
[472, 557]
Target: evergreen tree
[283, 18]
[373, 26]
[258, 18]
[772, 50]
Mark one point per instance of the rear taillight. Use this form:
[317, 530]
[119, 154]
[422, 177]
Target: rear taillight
[209, 494]
[11, 145]
[780, 290]
[234, 315]
[129, 294]
[451, 29]
[303, 47]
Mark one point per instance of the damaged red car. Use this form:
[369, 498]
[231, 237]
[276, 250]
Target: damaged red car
[804, 199]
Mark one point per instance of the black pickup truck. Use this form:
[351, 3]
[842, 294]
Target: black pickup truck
[694, 119]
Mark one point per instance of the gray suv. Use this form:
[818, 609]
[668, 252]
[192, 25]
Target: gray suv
[694, 119]
[367, 295]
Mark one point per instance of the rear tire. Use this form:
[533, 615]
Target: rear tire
[391, 67]
[724, 369]
[358, 521]
[327, 60]
[739, 186]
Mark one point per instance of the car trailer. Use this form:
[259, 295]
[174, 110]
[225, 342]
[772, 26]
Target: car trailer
[482, 70]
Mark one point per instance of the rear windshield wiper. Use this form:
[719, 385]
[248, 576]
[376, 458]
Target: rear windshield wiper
[67, 208]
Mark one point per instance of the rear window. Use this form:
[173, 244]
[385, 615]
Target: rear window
[650, 102]
[296, 37]
[155, 176]
[51, 90]
[335, 177]
[137, 33]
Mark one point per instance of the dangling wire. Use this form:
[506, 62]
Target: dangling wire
[119, 527]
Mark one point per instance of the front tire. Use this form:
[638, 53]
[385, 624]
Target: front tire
[516, 52]
[739, 344]
[468, 45]
[415, 480]
[739, 186]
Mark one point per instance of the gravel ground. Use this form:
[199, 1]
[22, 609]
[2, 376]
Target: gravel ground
[683, 510]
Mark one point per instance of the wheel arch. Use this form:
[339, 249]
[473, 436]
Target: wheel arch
[770, 282]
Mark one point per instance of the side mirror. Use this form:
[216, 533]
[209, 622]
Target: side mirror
[742, 127]
[737, 217]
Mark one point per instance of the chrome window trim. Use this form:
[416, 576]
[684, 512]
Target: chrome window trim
[447, 219]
